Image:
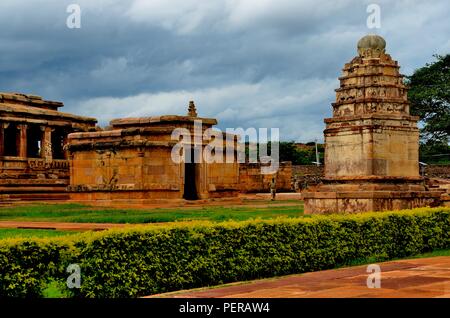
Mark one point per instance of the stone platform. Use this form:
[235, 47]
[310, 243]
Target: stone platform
[367, 201]
[369, 194]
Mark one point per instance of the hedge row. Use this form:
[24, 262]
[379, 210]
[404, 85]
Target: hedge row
[142, 261]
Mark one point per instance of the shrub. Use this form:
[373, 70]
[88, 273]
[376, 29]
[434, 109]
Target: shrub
[26, 265]
[141, 261]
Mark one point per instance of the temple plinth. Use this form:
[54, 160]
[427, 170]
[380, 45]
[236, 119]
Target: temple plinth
[371, 142]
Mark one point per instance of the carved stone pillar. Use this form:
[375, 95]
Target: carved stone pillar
[47, 152]
[22, 140]
[65, 148]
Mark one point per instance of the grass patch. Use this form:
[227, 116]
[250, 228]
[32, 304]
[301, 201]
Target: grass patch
[78, 213]
[55, 289]
[371, 260]
[31, 233]
[445, 252]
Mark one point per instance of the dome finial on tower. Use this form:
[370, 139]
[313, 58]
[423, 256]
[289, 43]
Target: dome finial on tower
[371, 45]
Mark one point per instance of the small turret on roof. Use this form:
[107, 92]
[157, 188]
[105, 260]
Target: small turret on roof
[192, 111]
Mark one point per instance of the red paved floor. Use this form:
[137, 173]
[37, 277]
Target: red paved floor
[426, 277]
[63, 226]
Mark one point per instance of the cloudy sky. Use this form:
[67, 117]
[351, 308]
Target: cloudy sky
[248, 63]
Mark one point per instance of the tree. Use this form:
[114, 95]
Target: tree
[288, 151]
[429, 95]
[434, 152]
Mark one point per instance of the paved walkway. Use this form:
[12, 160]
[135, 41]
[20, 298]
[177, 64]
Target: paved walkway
[426, 277]
[63, 226]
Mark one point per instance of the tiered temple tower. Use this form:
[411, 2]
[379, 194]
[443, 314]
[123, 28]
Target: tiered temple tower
[371, 142]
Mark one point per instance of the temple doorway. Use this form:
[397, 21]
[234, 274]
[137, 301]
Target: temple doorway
[190, 168]
[58, 136]
[11, 140]
[34, 141]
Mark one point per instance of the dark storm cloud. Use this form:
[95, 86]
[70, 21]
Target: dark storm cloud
[261, 63]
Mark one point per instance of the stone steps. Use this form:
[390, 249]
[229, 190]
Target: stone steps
[32, 189]
[441, 185]
[11, 195]
[33, 182]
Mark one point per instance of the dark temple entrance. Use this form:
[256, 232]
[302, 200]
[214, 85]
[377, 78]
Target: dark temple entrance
[190, 167]
[11, 140]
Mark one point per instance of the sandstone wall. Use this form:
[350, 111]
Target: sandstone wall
[308, 175]
[301, 170]
[432, 171]
[372, 146]
[251, 179]
[150, 174]
[222, 179]
[438, 171]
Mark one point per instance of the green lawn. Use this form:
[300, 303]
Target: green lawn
[27, 233]
[432, 254]
[445, 252]
[80, 213]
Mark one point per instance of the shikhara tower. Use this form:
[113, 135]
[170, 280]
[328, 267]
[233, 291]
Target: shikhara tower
[371, 142]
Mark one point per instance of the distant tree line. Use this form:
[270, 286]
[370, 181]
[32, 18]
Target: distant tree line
[298, 154]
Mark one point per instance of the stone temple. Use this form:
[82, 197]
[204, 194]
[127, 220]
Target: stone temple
[371, 142]
[132, 162]
[33, 160]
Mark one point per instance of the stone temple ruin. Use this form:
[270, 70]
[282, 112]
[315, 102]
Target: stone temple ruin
[33, 161]
[131, 162]
[371, 142]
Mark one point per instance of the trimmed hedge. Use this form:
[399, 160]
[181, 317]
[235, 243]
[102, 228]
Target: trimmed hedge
[141, 261]
[27, 265]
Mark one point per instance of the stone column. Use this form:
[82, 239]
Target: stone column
[139, 183]
[46, 146]
[65, 148]
[22, 140]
